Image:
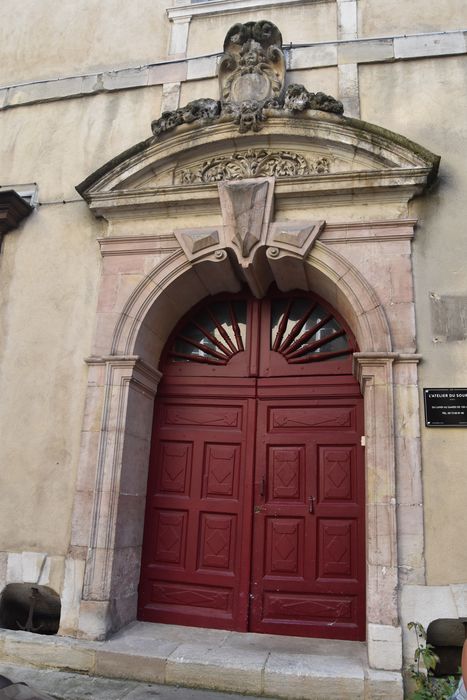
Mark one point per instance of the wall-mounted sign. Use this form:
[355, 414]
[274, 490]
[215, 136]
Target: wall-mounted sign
[445, 407]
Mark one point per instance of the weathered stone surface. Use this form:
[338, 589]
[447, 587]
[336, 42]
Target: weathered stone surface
[301, 676]
[385, 649]
[254, 163]
[55, 652]
[140, 666]
[251, 82]
[298, 98]
[429, 45]
[198, 110]
[253, 64]
[383, 685]
[216, 667]
[246, 212]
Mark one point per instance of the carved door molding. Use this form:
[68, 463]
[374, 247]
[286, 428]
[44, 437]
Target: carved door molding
[158, 188]
[258, 463]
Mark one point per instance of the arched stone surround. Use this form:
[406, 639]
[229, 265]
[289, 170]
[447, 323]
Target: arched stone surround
[121, 389]
[360, 265]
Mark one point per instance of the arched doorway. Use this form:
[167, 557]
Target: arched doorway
[255, 506]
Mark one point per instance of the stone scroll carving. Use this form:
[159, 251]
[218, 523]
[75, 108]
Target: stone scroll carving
[254, 163]
[251, 84]
[253, 65]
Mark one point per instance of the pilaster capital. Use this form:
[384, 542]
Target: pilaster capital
[128, 367]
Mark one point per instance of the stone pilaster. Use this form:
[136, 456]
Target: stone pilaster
[374, 372]
[109, 507]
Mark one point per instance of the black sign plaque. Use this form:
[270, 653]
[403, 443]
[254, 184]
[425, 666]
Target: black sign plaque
[445, 407]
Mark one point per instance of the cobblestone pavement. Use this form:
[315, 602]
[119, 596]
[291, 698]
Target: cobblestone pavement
[74, 686]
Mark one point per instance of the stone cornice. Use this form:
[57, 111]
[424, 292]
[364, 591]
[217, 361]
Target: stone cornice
[13, 209]
[323, 54]
[187, 10]
[400, 185]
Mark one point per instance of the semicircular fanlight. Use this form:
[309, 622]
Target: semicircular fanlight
[303, 331]
[213, 336]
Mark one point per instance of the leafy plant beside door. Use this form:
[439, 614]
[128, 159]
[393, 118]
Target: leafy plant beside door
[427, 686]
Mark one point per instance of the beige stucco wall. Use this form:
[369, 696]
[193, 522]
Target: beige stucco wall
[58, 144]
[47, 38]
[377, 18]
[49, 272]
[298, 24]
[412, 98]
[316, 79]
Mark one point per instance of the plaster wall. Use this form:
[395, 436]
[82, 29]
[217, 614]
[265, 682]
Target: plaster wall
[46, 39]
[378, 18]
[317, 79]
[49, 272]
[56, 144]
[298, 24]
[395, 94]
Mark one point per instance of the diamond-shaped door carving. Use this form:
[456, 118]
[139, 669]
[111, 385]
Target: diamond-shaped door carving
[287, 472]
[283, 546]
[174, 464]
[216, 541]
[171, 531]
[337, 477]
[336, 548]
[221, 469]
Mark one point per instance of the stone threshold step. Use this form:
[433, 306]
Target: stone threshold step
[265, 665]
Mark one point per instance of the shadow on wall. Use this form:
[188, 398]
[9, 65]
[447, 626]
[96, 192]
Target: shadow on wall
[30, 607]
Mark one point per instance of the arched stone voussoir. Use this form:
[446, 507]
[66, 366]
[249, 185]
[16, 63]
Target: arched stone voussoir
[176, 285]
[163, 297]
[342, 285]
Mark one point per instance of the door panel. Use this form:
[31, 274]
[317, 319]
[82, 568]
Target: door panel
[255, 507]
[308, 540]
[197, 525]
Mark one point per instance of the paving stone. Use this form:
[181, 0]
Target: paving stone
[71, 686]
[216, 667]
[383, 685]
[132, 662]
[321, 678]
[136, 660]
[40, 650]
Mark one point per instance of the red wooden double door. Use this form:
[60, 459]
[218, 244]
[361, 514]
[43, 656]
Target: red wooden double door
[255, 503]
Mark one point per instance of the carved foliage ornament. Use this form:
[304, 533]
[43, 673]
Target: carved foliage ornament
[254, 163]
[251, 83]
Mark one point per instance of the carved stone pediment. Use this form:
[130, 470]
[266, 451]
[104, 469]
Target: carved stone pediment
[288, 133]
[310, 156]
[253, 163]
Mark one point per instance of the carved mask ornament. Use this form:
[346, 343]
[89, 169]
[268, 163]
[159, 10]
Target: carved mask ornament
[253, 65]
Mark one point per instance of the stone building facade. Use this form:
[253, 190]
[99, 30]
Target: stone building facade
[328, 161]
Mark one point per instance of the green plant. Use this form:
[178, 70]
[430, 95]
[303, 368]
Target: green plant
[427, 686]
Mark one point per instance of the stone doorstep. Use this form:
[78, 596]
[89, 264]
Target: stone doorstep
[267, 665]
